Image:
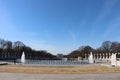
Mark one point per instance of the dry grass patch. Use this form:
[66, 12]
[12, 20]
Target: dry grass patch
[57, 69]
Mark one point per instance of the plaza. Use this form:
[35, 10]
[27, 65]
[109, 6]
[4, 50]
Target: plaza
[19, 76]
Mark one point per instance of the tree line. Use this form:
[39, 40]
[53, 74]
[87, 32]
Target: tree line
[14, 50]
[106, 47]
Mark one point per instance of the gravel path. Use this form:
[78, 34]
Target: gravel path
[21, 76]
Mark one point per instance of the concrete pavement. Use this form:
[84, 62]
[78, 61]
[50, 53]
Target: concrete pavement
[22, 76]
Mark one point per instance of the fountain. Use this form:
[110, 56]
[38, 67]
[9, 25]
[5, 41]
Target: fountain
[23, 58]
[90, 58]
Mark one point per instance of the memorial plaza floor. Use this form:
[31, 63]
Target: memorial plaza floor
[22, 76]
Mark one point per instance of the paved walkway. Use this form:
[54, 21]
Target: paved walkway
[20, 76]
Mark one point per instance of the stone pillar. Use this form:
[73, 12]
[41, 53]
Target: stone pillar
[103, 56]
[106, 56]
[113, 60]
[97, 55]
[110, 54]
[94, 56]
[100, 56]
[85, 56]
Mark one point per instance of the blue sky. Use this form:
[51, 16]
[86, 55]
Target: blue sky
[60, 26]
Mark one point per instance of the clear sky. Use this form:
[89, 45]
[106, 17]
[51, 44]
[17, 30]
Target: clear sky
[60, 26]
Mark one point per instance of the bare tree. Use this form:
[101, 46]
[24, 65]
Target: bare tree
[115, 47]
[106, 46]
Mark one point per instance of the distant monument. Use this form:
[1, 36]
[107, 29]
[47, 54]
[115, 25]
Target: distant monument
[90, 58]
[65, 59]
[23, 58]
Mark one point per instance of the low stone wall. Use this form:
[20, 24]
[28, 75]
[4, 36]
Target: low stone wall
[118, 63]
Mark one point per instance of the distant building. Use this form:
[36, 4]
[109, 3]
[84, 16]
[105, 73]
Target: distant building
[60, 55]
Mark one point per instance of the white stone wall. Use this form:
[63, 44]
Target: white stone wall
[100, 56]
[106, 57]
